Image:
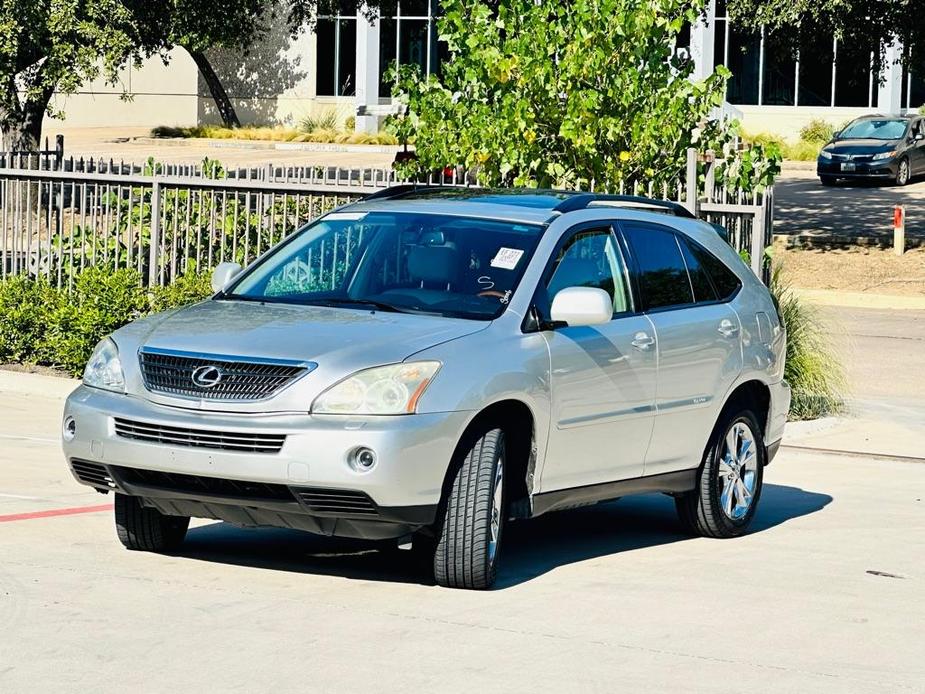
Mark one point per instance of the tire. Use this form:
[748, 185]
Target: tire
[147, 529]
[828, 180]
[706, 510]
[469, 543]
[902, 172]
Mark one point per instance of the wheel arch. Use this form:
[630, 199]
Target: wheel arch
[518, 422]
[754, 394]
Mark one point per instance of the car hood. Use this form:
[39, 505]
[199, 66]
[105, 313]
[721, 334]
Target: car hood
[861, 146]
[339, 341]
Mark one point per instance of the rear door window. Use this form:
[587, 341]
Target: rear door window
[663, 278]
[723, 279]
[700, 278]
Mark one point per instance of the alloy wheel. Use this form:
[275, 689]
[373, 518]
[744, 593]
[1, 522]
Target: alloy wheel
[738, 471]
[497, 497]
[903, 176]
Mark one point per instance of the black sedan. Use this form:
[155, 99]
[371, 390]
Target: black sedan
[885, 147]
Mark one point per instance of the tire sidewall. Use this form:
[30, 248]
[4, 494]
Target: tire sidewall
[710, 474]
[900, 181]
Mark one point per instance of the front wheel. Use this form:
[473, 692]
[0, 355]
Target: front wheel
[902, 172]
[467, 551]
[730, 478]
[147, 529]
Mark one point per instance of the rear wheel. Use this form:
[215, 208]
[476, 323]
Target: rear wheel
[827, 180]
[147, 529]
[729, 481]
[902, 172]
[469, 544]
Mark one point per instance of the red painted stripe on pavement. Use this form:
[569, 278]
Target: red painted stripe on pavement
[55, 512]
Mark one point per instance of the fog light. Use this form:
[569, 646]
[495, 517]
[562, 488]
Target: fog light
[362, 459]
[69, 430]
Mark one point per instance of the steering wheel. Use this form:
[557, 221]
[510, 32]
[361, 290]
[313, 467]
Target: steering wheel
[491, 292]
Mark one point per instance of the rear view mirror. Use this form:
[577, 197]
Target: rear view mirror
[582, 306]
[223, 274]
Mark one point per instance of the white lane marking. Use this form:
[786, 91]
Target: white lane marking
[28, 438]
[20, 496]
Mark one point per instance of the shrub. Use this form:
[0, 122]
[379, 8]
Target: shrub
[815, 374]
[101, 302]
[326, 120]
[802, 151]
[25, 305]
[186, 289]
[817, 130]
[350, 124]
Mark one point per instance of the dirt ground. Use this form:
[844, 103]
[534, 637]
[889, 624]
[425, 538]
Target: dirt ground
[856, 269]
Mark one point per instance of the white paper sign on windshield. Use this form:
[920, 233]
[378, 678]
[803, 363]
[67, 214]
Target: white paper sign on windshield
[507, 258]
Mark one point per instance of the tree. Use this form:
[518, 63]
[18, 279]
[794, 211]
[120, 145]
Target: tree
[561, 93]
[864, 26]
[49, 46]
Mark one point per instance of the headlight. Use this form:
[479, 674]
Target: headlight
[825, 155]
[393, 389]
[885, 155]
[104, 370]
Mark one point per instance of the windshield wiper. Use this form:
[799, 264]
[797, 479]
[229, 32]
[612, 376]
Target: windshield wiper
[340, 301]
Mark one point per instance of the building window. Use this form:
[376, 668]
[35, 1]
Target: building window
[408, 31]
[336, 36]
[765, 72]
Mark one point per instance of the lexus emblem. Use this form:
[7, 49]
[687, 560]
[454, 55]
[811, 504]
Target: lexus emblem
[207, 376]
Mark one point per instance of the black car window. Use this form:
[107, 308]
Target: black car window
[724, 279]
[663, 279]
[700, 278]
[591, 259]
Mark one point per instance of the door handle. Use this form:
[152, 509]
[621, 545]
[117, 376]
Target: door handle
[727, 328]
[643, 341]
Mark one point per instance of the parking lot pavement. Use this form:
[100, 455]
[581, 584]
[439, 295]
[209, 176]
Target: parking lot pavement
[825, 595]
[821, 215]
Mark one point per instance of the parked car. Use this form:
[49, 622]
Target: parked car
[875, 147]
[430, 363]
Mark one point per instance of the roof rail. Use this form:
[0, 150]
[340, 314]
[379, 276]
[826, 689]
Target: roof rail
[585, 200]
[402, 190]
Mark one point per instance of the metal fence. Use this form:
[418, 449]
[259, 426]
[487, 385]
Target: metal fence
[56, 222]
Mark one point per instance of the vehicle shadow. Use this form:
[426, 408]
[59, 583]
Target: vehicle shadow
[532, 548]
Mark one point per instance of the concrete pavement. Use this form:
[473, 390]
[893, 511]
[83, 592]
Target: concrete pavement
[825, 595]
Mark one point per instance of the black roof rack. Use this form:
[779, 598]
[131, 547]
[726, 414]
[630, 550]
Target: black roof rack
[400, 191]
[584, 200]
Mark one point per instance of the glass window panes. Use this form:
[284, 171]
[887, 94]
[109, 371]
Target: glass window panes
[744, 56]
[852, 76]
[816, 58]
[723, 279]
[591, 259]
[335, 55]
[700, 278]
[663, 278]
[779, 79]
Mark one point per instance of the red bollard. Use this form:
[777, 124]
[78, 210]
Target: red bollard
[899, 229]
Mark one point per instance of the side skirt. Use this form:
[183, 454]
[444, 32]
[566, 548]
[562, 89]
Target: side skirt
[668, 482]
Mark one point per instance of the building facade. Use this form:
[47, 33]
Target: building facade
[343, 64]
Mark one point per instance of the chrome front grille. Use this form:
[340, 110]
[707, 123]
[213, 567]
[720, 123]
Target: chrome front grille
[242, 442]
[216, 377]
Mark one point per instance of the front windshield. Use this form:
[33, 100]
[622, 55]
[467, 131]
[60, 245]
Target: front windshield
[885, 129]
[412, 263]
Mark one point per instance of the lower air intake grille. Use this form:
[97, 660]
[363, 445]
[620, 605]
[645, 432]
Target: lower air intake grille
[337, 502]
[197, 484]
[93, 474]
[244, 442]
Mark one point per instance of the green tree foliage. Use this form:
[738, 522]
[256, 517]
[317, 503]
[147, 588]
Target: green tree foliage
[49, 46]
[562, 93]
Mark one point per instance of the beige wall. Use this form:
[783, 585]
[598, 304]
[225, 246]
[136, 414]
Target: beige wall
[786, 121]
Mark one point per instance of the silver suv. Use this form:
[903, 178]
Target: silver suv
[428, 364]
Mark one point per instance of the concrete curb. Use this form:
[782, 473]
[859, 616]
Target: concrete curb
[831, 297]
[22, 383]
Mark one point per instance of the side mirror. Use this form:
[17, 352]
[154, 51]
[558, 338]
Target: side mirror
[223, 274]
[582, 306]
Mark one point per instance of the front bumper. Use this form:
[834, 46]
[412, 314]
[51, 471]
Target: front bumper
[269, 488]
[874, 169]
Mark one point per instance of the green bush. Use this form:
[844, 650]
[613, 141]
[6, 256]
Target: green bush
[817, 130]
[184, 290]
[101, 302]
[802, 151]
[25, 306]
[815, 374]
[326, 120]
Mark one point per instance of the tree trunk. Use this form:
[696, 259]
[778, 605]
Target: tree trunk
[216, 89]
